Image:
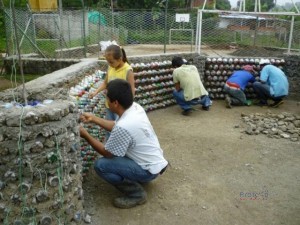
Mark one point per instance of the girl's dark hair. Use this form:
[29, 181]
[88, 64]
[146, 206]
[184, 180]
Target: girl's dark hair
[117, 52]
[120, 90]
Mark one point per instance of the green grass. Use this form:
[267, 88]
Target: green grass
[2, 44]
[7, 81]
[224, 37]
[217, 38]
[48, 47]
[27, 77]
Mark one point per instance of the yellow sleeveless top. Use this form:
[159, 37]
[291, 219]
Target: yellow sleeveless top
[120, 73]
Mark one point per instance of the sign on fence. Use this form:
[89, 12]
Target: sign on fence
[182, 17]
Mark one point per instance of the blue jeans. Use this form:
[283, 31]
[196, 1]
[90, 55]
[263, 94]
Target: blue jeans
[115, 170]
[237, 96]
[110, 116]
[263, 92]
[186, 105]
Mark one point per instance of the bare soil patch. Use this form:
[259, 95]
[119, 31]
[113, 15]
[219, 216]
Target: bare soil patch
[4, 84]
[214, 167]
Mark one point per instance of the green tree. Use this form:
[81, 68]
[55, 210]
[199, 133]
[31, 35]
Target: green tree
[266, 5]
[148, 4]
[223, 5]
[142, 4]
[18, 3]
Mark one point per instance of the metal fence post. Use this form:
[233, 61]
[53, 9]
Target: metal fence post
[166, 21]
[199, 31]
[291, 35]
[69, 31]
[60, 29]
[83, 27]
[255, 31]
[99, 27]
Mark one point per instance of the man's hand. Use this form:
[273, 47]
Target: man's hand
[87, 117]
[95, 143]
[93, 94]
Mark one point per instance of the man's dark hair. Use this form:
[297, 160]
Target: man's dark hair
[177, 61]
[120, 90]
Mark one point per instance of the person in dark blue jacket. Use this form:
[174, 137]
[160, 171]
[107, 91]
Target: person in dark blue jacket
[235, 86]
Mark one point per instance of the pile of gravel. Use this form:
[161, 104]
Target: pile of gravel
[258, 52]
[283, 125]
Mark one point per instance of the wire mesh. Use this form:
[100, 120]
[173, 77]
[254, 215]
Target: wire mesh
[248, 34]
[76, 33]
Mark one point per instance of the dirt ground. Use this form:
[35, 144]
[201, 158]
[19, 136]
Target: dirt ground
[214, 167]
[136, 50]
[226, 51]
[4, 83]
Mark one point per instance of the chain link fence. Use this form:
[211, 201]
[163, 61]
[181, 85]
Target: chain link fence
[248, 34]
[76, 33]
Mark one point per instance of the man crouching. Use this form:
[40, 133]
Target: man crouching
[132, 154]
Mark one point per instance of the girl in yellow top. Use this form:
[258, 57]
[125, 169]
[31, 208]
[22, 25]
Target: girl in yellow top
[118, 68]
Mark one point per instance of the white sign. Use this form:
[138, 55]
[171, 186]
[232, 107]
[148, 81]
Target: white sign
[182, 17]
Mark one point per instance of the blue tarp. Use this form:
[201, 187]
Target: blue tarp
[96, 18]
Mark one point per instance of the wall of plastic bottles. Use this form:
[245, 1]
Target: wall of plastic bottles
[95, 105]
[218, 70]
[154, 84]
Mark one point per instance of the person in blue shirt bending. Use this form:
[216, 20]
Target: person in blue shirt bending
[273, 84]
[235, 86]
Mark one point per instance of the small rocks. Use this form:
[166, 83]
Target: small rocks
[87, 218]
[2, 185]
[285, 135]
[15, 199]
[10, 175]
[77, 216]
[249, 130]
[2, 118]
[284, 125]
[18, 222]
[296, 123]
[31, 118]
[69, 209]
[57, 204]
[37, 147]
